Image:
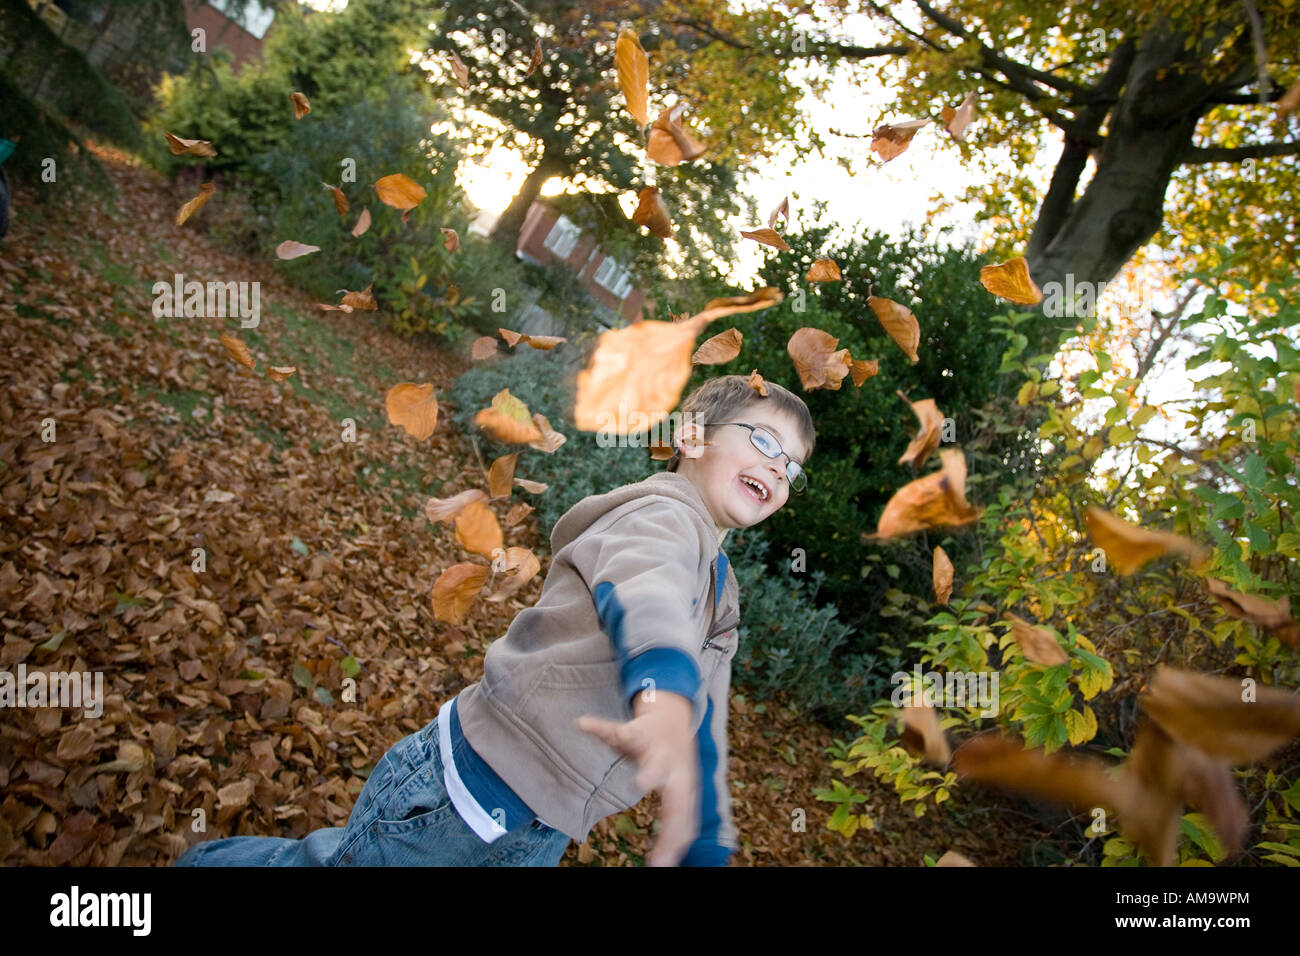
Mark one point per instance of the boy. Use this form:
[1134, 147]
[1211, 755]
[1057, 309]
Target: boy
[636, 622]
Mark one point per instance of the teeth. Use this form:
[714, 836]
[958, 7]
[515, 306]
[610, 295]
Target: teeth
[762, 492]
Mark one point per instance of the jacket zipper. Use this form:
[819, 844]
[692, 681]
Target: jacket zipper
[708, 641]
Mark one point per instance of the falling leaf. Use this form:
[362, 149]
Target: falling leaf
[1209, 714]
[459, 68]
[956, 120]
[1010, 280]
[532, 487]
[936, 501]
[477, 529]
[536, 60]
[763, 298]
[301, 107]
[455, 590]
[400, 192]
[484, 347]
[1128, 546]
[927, 439]
[1038, 644]
[414, 408]
[518, 513]
[520, 564]
[363, 300]
[1268, 614]
[953, 858]
[892, 139]
[508, 420]
[340, 200]
[641, 366]
[450, 239]
[633, 68]
[289, 249]
[189, 147]
[501, 475]
[1080, 783]
[900, 324]
[816, 360]
[195, 204]
[862, 369]
[238, 350]
[757, 384]
[333, 308]
[942, 576]
[551, 440]
[1290, 101]
[668, 143]
[543, 342]
[922, 735]
[280, 373]
[780, 212]
[652, 213]
[767, 237]
[444, 509]
[363, 223]
[824, 270]
[718, 350]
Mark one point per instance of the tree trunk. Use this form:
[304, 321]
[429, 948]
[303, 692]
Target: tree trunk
[506, 231]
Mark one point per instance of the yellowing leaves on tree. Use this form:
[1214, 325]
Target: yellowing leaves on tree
[455, 590]
[414, 408]
[508, 420]
[1010, 280]
[633, 68]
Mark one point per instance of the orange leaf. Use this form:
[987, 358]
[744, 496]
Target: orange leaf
[189, 147]
[301, 107]
[363, 300]
[815, 359]
[757, 384]
[1128, 546]
[459, 68]
[520, 564]
[280, 373]
[542, 342]
[238, 350]
[333, 308]
[936, 501]
[763, 298]
[484, 347]
[668, 143]
[942, 576]
[1290, 101]
[508, 420]
[1080, 783]
[289, 249]
[455, 590]
[1037, 644]
[518, 513]
[550, 440]
[532, 487]
[501, 475]
[195, 204]
[536, 60]
[900, 324]
[1010, 280]
[922, 736]
[956, 120]
[363, 223]
[477, 529]
[892, 139]
[767, 237]
[824, 270]
[450, 239]
[927, 439]
[652, 213]
[862, 369]
[722, 348]
[400, 192]
[444, 509]
[340, 200]
[414, 408]
[633, 75]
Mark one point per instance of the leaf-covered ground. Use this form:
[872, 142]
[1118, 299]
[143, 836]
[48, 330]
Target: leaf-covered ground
[224, 686]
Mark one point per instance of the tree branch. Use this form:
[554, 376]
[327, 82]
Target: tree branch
[843, 49]
[1224, 154]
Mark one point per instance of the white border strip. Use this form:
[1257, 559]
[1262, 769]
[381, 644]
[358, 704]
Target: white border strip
[487, 829]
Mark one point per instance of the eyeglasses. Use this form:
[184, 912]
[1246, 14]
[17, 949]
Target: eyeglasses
[766, 442]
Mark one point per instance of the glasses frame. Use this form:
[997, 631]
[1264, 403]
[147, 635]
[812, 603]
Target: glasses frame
[800, 473]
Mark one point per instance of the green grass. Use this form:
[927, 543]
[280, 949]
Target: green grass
[183, 404]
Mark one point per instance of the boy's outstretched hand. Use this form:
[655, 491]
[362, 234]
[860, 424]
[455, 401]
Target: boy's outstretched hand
[659, 739]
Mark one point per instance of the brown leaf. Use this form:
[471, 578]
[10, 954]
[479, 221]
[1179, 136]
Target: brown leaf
[484, 347]
[816, 360]
[414, 408]
[641, 367]
[1129, 546]
[892, 139]
[450, 239]
[922, 736]
[520, 564]
[757, 384]
[718, 350]
[824, 270]
[477, 529]
[1209, 714]
[536, 60]
[189, 147]
[956, 120]
[927, 439]
[363, 223]
[763, 298]
[768, 237]
[459, 68]
[280, 373]
[532, 487]
[1080, 783]
[400, 192]
[862, 369]
[1150, 793]
[780, 212]
[444, 509]
[542, 342]
[333, 308]
[289, 249]
[363, 300]
[900, 324]
[1290, 101]
[1038, 644]
[633, 68]
[943, 573]
[238, 350]
[76, 744]
[551, 440]
[195, 204]
[518, 513]
[953, 858]
[501, 475]
[668, 143]
[652, 213]
[455, 590]
[1268, 614]
[508, 420]
[340, 200]
[301, 106]
[1010, 280]
[936, 501]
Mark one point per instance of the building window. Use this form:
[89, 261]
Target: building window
[562, 238]
[613, 277]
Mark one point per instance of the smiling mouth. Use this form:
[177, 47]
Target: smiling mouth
[756, 488]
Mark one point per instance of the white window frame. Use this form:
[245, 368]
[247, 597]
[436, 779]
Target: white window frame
[615, 279]
[562, 238]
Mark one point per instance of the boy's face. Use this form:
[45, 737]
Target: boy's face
[722, 472]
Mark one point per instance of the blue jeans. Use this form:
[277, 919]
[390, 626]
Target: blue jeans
[404, 817]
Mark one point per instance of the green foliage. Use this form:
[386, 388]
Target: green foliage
[1238, 492]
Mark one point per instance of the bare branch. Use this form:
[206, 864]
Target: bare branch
[1261, 51]
[843, 49]
[1224, 154]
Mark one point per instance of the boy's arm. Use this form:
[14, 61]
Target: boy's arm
[717, 839]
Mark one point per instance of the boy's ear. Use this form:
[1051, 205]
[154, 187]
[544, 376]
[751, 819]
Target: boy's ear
[689, 440]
